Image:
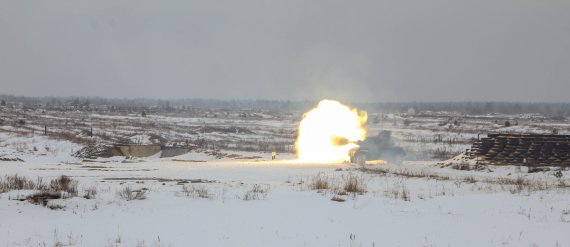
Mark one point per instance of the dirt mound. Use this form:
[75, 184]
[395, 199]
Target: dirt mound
[94, 151]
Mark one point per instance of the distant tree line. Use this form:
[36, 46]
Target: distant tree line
[471, 108]
[162, 103]
[474, 108]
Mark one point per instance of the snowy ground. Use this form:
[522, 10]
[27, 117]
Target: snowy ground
[263, 203]
[245, 199]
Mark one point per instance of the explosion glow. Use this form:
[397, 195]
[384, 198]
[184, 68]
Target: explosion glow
[328, 132]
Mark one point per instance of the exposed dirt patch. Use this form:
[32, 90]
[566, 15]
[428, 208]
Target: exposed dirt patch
[249, 157]
[11, 159]
[42, 198]
[188, 160]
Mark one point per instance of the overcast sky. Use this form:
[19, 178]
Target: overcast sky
[366, 51]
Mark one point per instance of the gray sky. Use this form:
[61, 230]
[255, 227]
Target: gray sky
[401, 50]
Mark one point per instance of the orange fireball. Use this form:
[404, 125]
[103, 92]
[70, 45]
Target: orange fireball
[328, 132]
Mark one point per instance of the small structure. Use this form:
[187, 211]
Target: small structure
[522, 149]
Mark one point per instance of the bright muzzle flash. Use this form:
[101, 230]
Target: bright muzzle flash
[328, 132]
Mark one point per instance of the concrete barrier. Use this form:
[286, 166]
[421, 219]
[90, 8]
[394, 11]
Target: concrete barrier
[173, 151]
[139, 150]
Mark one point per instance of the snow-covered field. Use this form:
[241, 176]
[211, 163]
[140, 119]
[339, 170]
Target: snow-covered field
[245, 199]
[231, 202]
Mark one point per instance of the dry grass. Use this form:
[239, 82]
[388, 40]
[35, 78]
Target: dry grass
[462, 166]
[399, 191]
[406, 173]
[60, 184]
[129, 194]
[64, 184]
[42, 198]
[257, 192]
[16, 182]
[320, 182]
[55, 206]
[354, 184]
[90, 193]
[59, 188]
[196, 191]
[562, 183]
[565, 216]
[337, 198]
[519, 184]
[338, 185]
[515, 185]
[470, 179]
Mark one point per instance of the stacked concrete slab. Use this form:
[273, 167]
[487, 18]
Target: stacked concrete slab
[528, 150]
